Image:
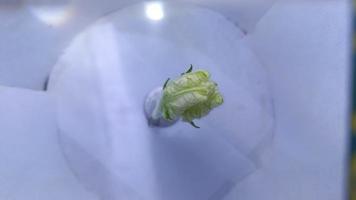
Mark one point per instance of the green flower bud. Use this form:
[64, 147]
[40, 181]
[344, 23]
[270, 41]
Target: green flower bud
[192, 96]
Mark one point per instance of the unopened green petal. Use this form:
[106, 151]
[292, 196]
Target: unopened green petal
[191, 96]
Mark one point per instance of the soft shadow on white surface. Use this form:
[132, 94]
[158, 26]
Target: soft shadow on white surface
[100, 84]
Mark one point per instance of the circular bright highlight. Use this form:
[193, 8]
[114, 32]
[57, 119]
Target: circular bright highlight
[154, 11]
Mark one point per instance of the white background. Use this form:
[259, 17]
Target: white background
[302, 44]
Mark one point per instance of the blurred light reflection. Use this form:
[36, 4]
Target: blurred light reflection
[154, 11]
[56, 15]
